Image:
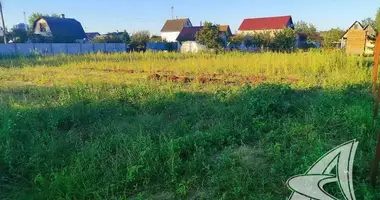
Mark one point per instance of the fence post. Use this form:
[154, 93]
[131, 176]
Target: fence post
[15, 47]
[51, 49]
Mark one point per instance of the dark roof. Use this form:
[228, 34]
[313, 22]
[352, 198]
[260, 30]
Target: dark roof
[252, 24]
[189, 33]
[64, 27]
[175, 25]
[92, 35]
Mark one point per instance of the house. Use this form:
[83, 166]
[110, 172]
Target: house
[21, 26]
[266, 24]
[369, 32]
[189, 33]
[92, 35]
[172, 28]
[60, 29]
[225, 33]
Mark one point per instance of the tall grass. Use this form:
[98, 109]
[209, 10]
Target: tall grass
[72, 129]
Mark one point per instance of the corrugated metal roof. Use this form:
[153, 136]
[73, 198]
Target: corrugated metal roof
[265, 23]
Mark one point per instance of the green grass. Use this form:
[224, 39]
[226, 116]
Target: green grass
[71, 128]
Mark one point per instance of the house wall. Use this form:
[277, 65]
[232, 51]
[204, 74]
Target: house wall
[355, 26]
[37, 29]
[271, 31]
[170, 36]
[370, 31]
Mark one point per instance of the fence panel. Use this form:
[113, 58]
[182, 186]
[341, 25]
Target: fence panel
[73, 48]
[87, 48]
[24, 49]
[99, 48]
[7, 49]
[44, 49]
[59, 48]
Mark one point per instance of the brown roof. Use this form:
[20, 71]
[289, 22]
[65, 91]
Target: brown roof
[174, 25]
[225, 28]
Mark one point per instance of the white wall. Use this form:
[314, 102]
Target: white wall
[170, 36]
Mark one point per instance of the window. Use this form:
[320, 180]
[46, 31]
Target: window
[42, 28]
[356, 26]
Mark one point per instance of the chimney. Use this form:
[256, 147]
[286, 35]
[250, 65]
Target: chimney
[63, 16]
[201, 23]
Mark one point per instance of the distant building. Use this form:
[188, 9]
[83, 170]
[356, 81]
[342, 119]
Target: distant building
[266, 24]
[370, 34]
[21, 26]
[172, 28]
[61, 29]
[92, 35]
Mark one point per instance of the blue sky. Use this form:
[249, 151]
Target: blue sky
[133, 15]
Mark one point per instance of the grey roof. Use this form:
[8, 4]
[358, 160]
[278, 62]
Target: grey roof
[66, 29]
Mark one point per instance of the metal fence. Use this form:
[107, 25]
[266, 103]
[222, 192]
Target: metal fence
[60, 48]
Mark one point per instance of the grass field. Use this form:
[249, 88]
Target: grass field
[179, 126]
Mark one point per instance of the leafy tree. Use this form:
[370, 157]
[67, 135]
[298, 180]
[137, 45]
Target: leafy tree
[125, 37]
[139, 40]
[331, 36]
[209, 36]
[307, 28]
[33, 17]
[18, 35]
[368, 21]
[284, 40]
[156, 38]
[377, 21]
[264, 39]
[236, 41]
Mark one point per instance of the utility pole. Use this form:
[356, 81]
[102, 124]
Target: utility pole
[2, 19]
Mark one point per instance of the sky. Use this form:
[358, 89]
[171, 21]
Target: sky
[134, 15]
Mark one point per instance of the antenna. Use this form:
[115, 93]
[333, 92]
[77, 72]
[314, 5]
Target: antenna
[172, 12]
[26, 25]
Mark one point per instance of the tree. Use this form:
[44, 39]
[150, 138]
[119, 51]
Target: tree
[368, 21]
[155, 38]
[33, 17]
[284, 40]
[307, 28]
[236, 41]
[125, 37]
[139, 40]
[331, 36]
[377, 21]
[209, 36]
[18, 35]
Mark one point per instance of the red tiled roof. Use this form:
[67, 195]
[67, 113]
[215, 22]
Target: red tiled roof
[265, 23]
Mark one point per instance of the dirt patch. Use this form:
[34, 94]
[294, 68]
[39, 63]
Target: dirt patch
[155, 77]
